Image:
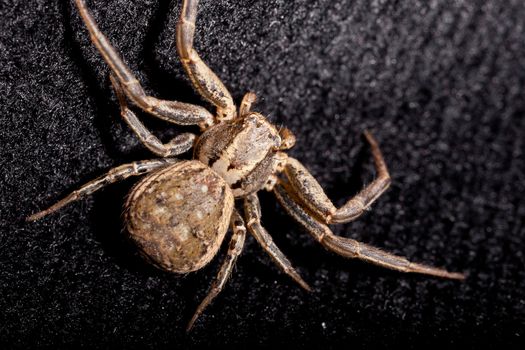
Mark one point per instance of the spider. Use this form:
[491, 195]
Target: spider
[179, 214]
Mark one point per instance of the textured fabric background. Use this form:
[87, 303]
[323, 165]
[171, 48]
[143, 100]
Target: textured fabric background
[439, 83]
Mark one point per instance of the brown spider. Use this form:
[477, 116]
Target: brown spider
[179, 214]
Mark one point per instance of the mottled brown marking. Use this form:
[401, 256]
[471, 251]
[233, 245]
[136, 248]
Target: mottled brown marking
[177, 224]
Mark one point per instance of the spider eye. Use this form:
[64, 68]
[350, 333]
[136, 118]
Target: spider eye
[255, 119]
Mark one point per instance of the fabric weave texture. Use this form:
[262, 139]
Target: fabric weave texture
[441, 86]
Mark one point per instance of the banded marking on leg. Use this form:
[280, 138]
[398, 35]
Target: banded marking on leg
[351, 248]
[114, 175]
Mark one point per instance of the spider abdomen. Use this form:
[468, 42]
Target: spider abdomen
[179, 215]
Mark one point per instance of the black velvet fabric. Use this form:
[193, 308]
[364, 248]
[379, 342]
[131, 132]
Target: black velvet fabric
[439, 83]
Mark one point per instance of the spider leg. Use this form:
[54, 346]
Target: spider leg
[350, 248]
[207, 84]
[171, 111]
[252, 210]
[176, 146]
[287, 137]
[310, 193]
[246, 104]
[234, 250]
[114, 175]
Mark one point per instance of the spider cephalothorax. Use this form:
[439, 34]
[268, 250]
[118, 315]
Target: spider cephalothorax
[244, 151]
[181, 211]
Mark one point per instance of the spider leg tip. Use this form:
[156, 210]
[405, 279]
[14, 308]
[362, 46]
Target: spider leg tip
[457, 276]
[450, 275]
[306, 287]
[191, 323]
[34, 217]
